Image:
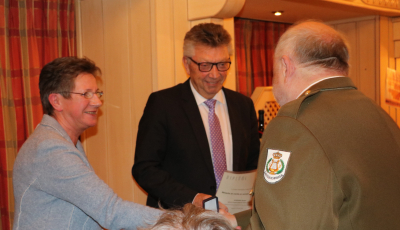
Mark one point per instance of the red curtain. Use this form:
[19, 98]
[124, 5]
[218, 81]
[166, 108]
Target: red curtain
[255, 43]
[32, 33]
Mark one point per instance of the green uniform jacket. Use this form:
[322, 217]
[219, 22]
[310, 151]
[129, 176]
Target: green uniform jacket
[343, 171]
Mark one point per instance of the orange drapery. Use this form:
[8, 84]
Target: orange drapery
[255, 43]
[32, 33]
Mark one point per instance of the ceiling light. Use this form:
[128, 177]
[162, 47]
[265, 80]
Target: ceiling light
[277, 13]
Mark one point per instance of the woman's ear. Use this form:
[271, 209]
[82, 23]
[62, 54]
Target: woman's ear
[56, 102]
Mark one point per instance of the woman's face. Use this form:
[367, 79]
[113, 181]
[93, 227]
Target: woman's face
[80, 113]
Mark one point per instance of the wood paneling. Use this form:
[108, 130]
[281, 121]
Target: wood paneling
[394, 32]
[367, 81]
[349, 30]
[387, 60]
[141, 73]
[360, 35]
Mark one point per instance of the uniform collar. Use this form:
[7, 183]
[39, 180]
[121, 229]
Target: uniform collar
[316, 83]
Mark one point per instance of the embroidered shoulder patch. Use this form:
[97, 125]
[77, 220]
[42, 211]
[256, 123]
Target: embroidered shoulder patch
[275, 165]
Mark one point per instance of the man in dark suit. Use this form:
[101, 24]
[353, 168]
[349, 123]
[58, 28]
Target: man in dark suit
[329, 159]
[190, 133]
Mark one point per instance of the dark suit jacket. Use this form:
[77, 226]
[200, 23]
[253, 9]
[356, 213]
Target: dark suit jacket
[343, 172]
[172, 160]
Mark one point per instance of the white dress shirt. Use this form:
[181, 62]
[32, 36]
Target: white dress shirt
[221, 110]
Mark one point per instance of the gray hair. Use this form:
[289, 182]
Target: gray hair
[191, 217]
[207, 34]
[315, 44]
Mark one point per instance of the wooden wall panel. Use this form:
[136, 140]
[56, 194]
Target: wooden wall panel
[181, 26]
[367, 62]
[230, 81]
[393, 111]
[387, 36]
[141, 73]
[394, 36]
[360, 34]
[349, 30]
[164, 34]
[118, 103]
[383, 61]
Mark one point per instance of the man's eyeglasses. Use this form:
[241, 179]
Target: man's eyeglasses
[207, 66]
[89, 94]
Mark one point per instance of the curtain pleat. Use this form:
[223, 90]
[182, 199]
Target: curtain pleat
[255, 43]
[242, 46]
[32, 33]
[258, 49]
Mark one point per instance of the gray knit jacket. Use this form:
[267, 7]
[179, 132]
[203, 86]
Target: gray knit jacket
[55, 187]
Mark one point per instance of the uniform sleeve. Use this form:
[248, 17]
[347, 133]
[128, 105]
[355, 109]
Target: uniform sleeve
[67, 176]
[151, 149]
[307, 195]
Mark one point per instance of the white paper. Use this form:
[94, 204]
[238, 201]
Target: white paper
[234, 190]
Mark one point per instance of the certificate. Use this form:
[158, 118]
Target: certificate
[234, 190]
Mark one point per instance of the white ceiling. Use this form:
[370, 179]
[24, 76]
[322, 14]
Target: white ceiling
[295, 10]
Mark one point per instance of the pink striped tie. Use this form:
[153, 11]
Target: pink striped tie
[217, 142]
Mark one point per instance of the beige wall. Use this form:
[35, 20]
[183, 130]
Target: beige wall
[138, 46]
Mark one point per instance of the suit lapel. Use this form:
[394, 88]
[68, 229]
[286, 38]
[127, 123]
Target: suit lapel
[194, 117]
[234, 119]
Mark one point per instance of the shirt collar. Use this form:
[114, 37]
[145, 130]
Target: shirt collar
[316, 83]
[220, 97]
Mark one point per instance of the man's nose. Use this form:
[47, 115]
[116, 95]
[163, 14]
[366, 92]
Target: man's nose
[214, 72]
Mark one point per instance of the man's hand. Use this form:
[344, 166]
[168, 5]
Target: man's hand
[231, 218]
[223, 207]
[198, 201]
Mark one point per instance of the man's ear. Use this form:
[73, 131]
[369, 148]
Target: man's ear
[186, 63]
[55, 101]
[288, 68]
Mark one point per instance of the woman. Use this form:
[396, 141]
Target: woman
[54, 185]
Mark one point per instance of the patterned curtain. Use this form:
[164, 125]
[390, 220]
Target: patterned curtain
[255, 43]
[32, 33]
